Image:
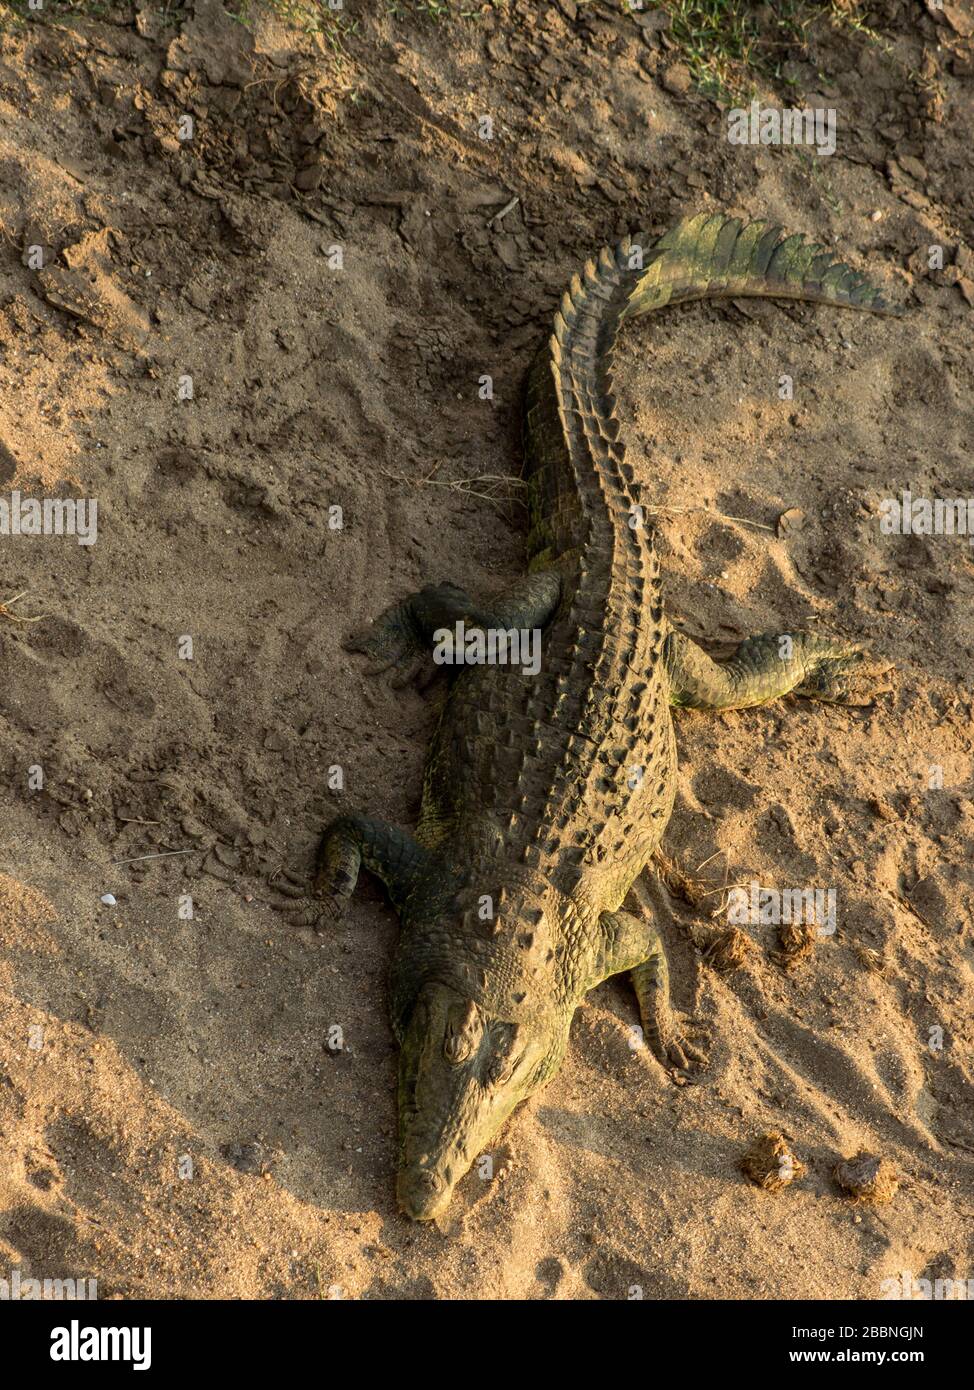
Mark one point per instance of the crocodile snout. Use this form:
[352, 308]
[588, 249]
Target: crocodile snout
[422, 1193]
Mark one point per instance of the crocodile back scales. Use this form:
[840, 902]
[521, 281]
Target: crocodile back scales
[571, 772]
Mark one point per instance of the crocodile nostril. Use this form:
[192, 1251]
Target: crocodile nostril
[422, 1193]
[428, 1181]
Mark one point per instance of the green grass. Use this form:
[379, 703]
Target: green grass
[717, 39]
[435, 10]
[333, 27]
[731, 45]
[430, 9]
[308, 16]
[60, 10]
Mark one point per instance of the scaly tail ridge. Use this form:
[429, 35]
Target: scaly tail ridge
[717, 257]
[574, 455]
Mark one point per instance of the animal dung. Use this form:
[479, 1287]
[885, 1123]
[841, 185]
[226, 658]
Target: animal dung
[867, 1179]
[770, 1163]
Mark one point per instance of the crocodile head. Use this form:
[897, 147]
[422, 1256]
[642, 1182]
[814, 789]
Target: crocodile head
[461, 1074]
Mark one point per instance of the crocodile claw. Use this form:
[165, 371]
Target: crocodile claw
[417, 670]
[317, 913]
[391, 644]
[328, 912]
[319, 910]
[388, 638]
[677, 1053]
[853, 678]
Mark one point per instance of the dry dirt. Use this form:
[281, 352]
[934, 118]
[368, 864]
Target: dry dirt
[134, 1038]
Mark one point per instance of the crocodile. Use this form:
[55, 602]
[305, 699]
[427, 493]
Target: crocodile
[546, 792]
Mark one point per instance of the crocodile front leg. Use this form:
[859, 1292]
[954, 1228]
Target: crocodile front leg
[350, 842]
[631, 943]
[766, 667]
[402, 637]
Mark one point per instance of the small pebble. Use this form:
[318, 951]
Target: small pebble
[108, 899]
[876, 216]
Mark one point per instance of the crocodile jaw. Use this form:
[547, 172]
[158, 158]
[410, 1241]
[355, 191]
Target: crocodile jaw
[461, 1074]
[423, 1193]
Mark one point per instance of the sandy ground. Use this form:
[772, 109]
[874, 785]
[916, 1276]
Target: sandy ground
[171, 1119]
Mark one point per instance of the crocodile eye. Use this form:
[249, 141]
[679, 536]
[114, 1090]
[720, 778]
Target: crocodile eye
[500, 1069]
[506, 1055]
[463, 1033]
[457, 1048]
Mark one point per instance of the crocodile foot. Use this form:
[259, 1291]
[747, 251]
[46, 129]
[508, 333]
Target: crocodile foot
[390, 643]
[676, 1050]
[847, 677]
[318, 910]
[770, 665]
[400, 638]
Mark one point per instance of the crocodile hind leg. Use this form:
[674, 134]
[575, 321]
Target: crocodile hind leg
[402, 637]
[764, 668]
[349, 843]
[631, 943]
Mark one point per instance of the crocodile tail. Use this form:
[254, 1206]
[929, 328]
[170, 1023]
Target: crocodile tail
[717, 257]
[579, 481]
